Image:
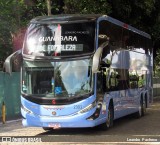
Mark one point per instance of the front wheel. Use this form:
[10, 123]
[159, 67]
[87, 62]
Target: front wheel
[109, 121]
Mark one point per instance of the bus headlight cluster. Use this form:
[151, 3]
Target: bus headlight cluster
[89, 107]
[25, 109]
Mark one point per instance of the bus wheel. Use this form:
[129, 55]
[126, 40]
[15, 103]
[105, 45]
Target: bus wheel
[109, 121]
[144, 107]
[48, 129]
[141, 109]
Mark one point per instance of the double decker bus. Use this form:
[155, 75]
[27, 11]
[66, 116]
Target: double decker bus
[82, 71]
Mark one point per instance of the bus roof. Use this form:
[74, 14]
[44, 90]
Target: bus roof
[65, 18]
[72, 18]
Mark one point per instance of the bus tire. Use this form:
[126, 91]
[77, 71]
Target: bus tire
[142, 108]
[109, 120]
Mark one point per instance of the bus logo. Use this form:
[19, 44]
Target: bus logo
[54, 113]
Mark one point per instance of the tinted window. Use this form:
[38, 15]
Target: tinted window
[119, 80]
[60, 39]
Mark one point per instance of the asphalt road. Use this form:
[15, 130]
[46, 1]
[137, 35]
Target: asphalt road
[126, 129]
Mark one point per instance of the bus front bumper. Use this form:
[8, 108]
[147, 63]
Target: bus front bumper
[76, 121]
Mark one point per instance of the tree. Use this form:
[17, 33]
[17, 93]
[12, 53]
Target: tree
[14, 16]
[49, 7]
[87, 7]
[10, 22]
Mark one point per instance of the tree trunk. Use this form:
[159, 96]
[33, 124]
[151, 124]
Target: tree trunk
[49, 7]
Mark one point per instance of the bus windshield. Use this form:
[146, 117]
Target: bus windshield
[57, 79]
[59, 39]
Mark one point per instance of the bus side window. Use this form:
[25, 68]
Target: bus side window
[113, 82]
[118, 80]
[133, 81]
[142, 81]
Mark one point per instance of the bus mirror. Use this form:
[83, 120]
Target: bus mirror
[13, 62]
[97, 57]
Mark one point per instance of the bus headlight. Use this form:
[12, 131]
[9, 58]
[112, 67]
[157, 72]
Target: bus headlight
[25, 109]
[89, 107]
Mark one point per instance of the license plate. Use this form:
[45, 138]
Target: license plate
[54, 125]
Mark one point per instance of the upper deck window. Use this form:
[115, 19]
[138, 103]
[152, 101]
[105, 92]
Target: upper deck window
[60, 39]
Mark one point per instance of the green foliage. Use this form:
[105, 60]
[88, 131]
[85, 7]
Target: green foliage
[87, 7]
[9, 23]
[38, 8]
[137, 13]
[157, 62]
[14, 15]
[156, 31]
